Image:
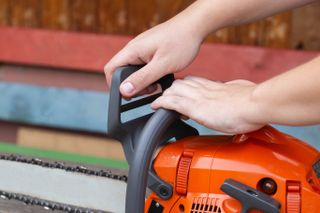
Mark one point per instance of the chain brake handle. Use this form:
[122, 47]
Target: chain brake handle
[128, 133]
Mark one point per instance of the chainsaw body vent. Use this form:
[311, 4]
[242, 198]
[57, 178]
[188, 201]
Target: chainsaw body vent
[205, 205]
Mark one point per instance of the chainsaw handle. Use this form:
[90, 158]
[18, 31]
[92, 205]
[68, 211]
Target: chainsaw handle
[128, 132]
[150, 138]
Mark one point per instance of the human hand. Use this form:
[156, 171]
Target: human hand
[166, 48]
[226, 107]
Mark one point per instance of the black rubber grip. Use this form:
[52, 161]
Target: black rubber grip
[140, 138]
[128, 132]
[149, 139]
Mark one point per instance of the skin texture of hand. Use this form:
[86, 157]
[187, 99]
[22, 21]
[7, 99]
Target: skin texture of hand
[233, 107]
[291, 98]
[164, 48]
[172, 45]
[240, 106]
[226, 107]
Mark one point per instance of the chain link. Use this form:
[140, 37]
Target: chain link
[49, 205]
[63, 166]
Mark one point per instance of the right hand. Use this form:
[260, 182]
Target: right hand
[165, 48]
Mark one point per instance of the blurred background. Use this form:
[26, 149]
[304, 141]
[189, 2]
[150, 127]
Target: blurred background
[298, 29]
[53, 95]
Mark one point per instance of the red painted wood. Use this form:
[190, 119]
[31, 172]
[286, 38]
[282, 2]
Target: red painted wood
[89, 52]
[227, 62]
[58, 49]
[49, 77]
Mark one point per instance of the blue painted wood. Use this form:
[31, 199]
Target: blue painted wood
[56, 107]
[87, 110]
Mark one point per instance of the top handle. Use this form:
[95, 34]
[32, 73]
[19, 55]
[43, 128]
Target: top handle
[128, 132]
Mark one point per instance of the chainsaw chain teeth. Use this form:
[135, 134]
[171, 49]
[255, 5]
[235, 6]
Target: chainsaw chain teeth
[47, 205]
[62, 166]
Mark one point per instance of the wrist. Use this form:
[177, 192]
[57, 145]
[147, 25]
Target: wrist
[199, 19]
[257, 111]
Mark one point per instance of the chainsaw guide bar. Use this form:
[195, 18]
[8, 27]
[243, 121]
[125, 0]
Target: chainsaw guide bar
[8, 196]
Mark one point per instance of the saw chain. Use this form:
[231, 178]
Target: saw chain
[50, 205]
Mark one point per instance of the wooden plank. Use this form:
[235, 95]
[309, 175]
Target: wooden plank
[56, 14]
[84, 15]
[250, 34]
[222, 36]
[63, 50]
[90, 52]
[53, 77]
[140, 15]
[167, 9]
[112, 16]
[222, 62]
[4, 12]
[8, 132]
[25, 13]
[272, 32]
[306, 28]
[60, 108]
[85, 111]
[54, 107]
[70, 142]
[133, 17]
[277, 31]
[145, 14]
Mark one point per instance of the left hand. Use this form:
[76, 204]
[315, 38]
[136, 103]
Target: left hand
[227, 107]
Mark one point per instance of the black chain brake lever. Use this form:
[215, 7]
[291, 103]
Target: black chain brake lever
[128, 133]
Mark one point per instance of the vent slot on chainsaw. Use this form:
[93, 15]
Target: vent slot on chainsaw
[205, 205]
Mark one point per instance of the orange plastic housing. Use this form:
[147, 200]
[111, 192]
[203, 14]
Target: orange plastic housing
[196, 167]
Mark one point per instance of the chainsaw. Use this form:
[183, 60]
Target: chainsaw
[262, 171]
[171, 169]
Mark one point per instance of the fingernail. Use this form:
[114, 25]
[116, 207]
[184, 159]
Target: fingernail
[127, 87]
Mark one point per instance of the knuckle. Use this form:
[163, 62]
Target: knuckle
[167, 92]
[131, 55]
[107, 67]
[132, 42]
[176, 83]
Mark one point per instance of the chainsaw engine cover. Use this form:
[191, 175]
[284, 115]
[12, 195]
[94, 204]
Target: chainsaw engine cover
[280, 166]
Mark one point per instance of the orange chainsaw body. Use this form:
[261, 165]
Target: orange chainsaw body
[196, 167]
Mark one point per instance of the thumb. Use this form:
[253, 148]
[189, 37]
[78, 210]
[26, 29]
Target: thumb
[142, 78]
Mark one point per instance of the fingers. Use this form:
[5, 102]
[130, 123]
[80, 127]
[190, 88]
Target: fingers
[179, 97]
[203, 82]
[241, 82]
[125, 57]
[183, 89]
[153, 88]
[176, 103]
[197, 80]
[144, 77]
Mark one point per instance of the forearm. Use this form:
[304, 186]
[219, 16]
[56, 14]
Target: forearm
[205, 16]
[292, 98]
